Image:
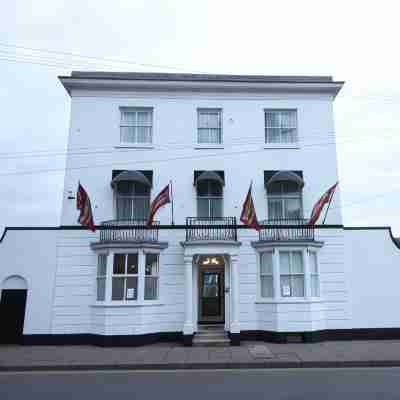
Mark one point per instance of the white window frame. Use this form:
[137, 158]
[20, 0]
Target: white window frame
[157, 276]
[99, 277]
[261, 275]
[310, 254]
[209, 144]
[125, 276]
[277, 296]
[295, 142]
[291, 275]
[136, 143]
[140, 301]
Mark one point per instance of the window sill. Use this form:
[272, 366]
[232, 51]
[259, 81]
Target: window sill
[208, 146]
[127, 304]
[134, 146]
[282, 146]
[293, 300]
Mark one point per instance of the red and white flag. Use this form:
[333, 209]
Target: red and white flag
[83, 204]
[319, 205]
[161, 199]
[248, 215]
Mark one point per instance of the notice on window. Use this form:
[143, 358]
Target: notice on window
[130, 293]
[286, 290]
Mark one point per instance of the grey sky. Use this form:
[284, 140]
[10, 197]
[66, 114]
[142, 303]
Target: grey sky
[352, 43]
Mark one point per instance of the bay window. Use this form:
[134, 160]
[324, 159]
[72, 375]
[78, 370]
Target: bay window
[128, 277]
[287, 273]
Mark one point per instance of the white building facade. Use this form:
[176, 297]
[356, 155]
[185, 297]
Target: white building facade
[131, 134]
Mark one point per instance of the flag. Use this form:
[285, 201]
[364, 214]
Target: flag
[319, 205]
[161, 199]
[83, 204]
[248, 216]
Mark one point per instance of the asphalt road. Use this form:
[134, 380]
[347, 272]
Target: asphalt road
[293, 384]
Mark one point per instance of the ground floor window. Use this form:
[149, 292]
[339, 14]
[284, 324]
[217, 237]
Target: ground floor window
[288, 273]
[127, 276]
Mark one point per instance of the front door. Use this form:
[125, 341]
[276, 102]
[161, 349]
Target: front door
[12, 314]
[211, 295]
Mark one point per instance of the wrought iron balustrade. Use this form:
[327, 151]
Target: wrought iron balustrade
[128, 230]
[295, 229]
[219, 228]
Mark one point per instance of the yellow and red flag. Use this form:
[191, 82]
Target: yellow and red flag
[248, 215]
[83, 204]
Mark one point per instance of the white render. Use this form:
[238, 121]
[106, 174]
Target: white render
[357, 268]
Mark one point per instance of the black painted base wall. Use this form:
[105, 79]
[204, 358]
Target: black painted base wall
[266, 336]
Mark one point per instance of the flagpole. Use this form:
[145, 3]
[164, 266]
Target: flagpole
[327, 209]
[172, 204]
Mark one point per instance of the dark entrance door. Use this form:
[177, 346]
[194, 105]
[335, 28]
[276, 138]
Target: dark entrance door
[211, 299]
[12, 314]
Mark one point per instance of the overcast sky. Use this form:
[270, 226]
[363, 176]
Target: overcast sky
[358, 44]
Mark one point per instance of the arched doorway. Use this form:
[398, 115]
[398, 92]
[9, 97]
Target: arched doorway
[12, 309]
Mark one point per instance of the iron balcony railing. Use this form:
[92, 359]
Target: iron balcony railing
[129, 230]
[286, 230]
[218, 228]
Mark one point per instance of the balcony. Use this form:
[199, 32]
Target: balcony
[220, 229]
[129, 230]
[286, 230]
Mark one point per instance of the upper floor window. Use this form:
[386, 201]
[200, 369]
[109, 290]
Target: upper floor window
[209, 126]
[284, 200]
[136, 125]
[280, 126]
[209, 199]
[132, 200]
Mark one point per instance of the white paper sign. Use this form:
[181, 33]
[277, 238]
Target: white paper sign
[286, 290]
[130, 293]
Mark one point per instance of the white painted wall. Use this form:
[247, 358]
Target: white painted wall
[95, 119]
[373, 262]
[32, 256]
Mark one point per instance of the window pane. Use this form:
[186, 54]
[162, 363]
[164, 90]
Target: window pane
[117, 288]
[140, 207]
[131, 288]
[215, 136]
[119, 264]
[216, 208]
[288, 135]
[124, 208]
[151, 288]
[313, 263]
[284, 260]
[298, 286]
[101, 288]
[203, 207]
[143, 134]
[266, 263]
[286, 290]
[272, 135]
[128, 118]
[214, 188]
[297, 262]
[102, 265]
[271, 119]
[144, 118]
[275, 188]
[275, 208]
[132, 266]
[292, 208]
[314, 286]
[141, 189]
[128, 134]
[288, 119]
[151, 267]
[203, 135]
[267, 286]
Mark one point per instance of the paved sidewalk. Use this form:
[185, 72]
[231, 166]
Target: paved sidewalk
[174, 356]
